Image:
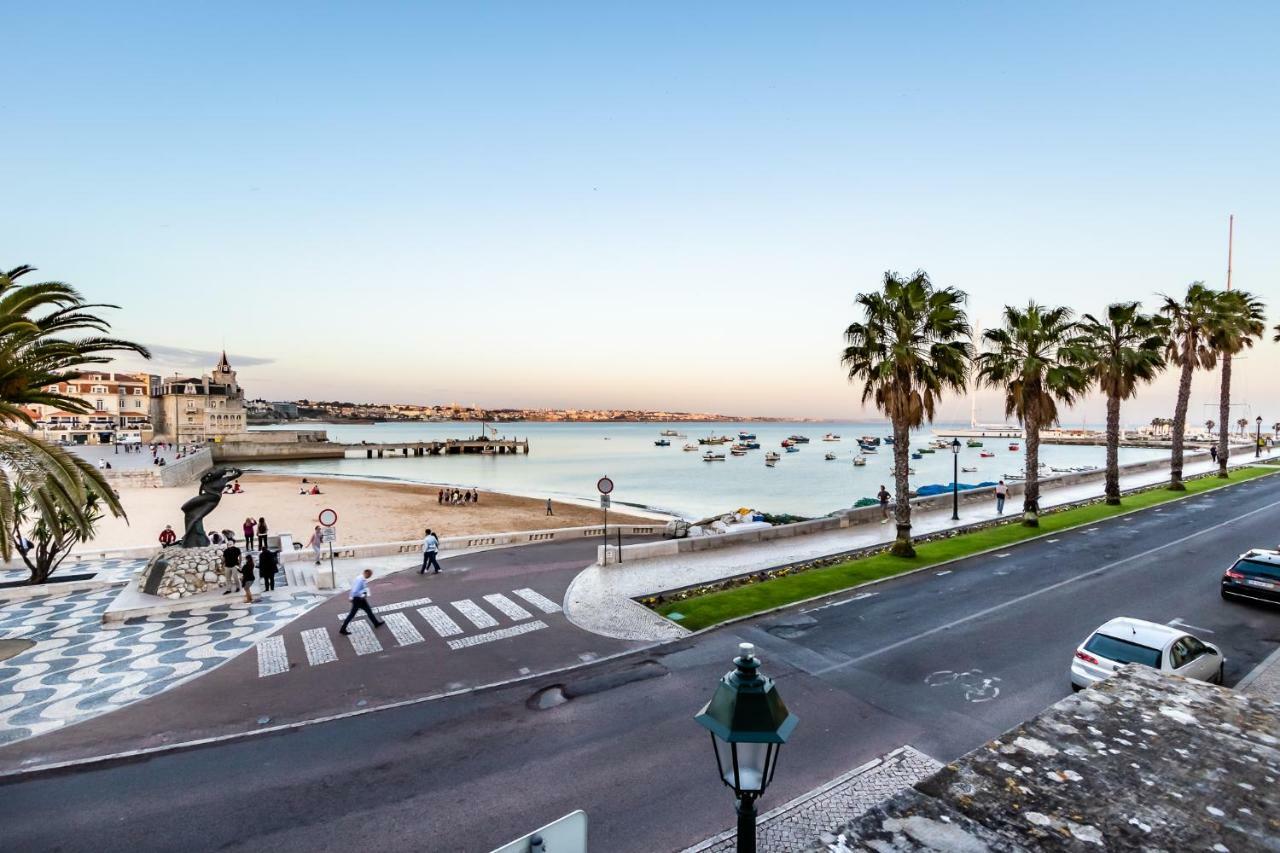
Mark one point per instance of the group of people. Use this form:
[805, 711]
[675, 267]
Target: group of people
[233, 488]
[242, 574]
[303, 490]
[456, 497]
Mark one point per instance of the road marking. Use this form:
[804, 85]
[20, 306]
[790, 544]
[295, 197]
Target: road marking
[947, 572]
[507, 607]
[440, 621]
[402, 629]
[1051, 541]
[1030, 595]
[500, 634]
[272, 657]
[857, 597]
[390, 608]
[474, 613]
[319, 647]
[1002, 556]
[362, 639]
[1178, 623]
[539, 601]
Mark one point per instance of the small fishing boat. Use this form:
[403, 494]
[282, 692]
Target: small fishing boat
[973, 442]
[968, 470]
[688, 447]
[926, 449]
[859, 461]
[769, 463]
[786, 442]
[662, 442]
[741, 447]
[871, 439]
[751, 445]
[917, 455]
[831, 436]
[738, 451]
[791, 448]
[867, 448]
[743, 435]
[771, 456]
[489, 450]
[1013, 447]
[712, 439]
[888, 439]
[798, 439]
[711, 456]
[669, 432]
[830, 457]
[986, 454]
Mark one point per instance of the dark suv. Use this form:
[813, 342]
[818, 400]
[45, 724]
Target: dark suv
[1256, 576]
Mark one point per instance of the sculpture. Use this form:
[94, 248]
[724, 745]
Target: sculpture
[194, 511]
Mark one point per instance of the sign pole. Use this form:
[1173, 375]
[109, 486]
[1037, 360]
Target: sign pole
[604, 485]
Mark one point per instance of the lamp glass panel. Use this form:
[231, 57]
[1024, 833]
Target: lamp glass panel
[752, 764]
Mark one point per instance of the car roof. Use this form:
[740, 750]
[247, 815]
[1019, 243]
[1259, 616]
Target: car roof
[1140, 631]
[1262, 555]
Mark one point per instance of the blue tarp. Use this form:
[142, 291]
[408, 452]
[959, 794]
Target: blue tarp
[940, 489]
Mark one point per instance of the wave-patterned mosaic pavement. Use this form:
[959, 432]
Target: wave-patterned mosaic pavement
[80, 668]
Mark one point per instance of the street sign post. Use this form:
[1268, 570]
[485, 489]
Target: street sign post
[328, 519]
[604, 485]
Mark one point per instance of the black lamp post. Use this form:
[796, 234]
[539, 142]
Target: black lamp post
[1257, 441]
[955, 479]
[749, 723]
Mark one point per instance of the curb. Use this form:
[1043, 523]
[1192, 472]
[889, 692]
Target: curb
[1270, 662]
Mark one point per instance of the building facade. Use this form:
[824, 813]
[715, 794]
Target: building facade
[199, 408]
[121, 410]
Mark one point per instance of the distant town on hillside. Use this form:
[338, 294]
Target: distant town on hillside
[261, 412]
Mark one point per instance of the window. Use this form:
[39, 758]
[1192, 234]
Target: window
[137, 404]
[99, 405]
[1258, 568]
[1123, 651]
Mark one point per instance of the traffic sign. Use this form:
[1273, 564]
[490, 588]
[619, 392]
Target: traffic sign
[328, 534]
[328, 517]
[604, 501]
[605, 485]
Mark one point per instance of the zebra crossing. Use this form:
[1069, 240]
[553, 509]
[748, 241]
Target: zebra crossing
[444, 620]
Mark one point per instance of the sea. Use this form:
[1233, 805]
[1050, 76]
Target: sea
[566, 460]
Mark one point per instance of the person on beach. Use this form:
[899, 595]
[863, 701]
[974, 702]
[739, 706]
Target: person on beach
[231, 562]
[440, 497]
[268, 565]
[1002, 492]
[466, 497]
[883, 496]
[549, 512]
[262, 533]
[359, 596]
[475, 496]
[246, 579]
[167, 536]
[316, 540]
[249, 527]
[430, 546]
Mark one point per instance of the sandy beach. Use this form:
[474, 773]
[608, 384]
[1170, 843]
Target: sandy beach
[367, 511]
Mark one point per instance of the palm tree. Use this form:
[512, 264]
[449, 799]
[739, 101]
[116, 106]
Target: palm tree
[1027, 359]
[38, 351]
[911, 345]
[1208, 427]
[1191, 324]
[1243, 319]
[1242, 425]
[1120, 352]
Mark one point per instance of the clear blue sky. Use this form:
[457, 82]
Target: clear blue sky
[659, 205]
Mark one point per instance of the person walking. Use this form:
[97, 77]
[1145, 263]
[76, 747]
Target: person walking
[231, 562]
[249, 526]
[316, 540]
[1213, 453]
[268, 565]
[246, 579]
[430, 546]
[359, 596]
[884, 504]
[1002, 492]
[262, 533]
[549, 512]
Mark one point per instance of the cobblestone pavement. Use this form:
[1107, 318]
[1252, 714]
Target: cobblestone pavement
[110, 570]
[1264, 681]
[815, 816]
[80, 668]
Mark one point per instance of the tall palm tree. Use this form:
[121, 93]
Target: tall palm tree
[1191, 324]
[39, 350]
[1026, 357]
[912, 344]
[1243, 319]
[1208, 427]
[1120, 352]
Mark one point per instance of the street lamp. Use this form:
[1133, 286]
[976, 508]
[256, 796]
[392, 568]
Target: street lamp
[749, 723]
[1257, 441]
[955, 479]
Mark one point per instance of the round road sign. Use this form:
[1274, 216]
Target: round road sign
[605, 485]
[328, 518]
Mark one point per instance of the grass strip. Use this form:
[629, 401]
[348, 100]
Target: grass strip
[716, 607]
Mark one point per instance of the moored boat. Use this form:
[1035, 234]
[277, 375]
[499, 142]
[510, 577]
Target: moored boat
[798, 439]
[743, 435]
[986, 454]
[917, 455]
[871, 439]
[867, 448]
[831, 436]
[859, 461]
[968, 470]
[830, 457]
[771, 456]
[738, 451]
[973, 442]
[662, 442]
[791, 448]
[888, 439]
[711, 456]
[690, 447]
[669, 432]
[1013, 447]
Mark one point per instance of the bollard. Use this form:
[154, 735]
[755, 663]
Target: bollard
[536, 845]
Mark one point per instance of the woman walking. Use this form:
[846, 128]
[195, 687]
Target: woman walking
[246, 579]
[268, 565]
[262, 533]
[248, 528]
[317, 539]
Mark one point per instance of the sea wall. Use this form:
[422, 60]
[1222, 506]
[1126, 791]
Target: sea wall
[275, 445]
[176, 473]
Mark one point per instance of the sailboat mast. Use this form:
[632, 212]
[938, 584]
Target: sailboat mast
[1231, 233]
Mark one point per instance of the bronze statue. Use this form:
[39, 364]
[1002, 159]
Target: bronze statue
[212, 484]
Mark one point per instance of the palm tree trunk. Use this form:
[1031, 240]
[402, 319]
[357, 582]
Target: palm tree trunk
[1031, 485]
[1224, 412]
[1113, 449]
[1180, 425]
[902, 490]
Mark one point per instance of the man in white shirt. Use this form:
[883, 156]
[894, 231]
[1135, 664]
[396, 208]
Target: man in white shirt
[359, 596]
[430, 546]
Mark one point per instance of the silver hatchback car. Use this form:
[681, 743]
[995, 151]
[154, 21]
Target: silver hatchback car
[1161, 647]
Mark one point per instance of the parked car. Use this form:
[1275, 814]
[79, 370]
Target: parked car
[1161, 647]
[1255, 576]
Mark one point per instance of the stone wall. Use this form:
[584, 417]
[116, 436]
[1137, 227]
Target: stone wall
[184, 572]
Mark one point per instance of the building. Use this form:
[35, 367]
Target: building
[199, 408]
[120, 404]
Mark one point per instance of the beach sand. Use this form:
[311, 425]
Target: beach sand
[367, 512]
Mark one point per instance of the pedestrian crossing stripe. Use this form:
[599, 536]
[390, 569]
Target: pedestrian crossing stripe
[362, 638]
[272, 657]
[440, 621]
[318, 646]
[500, 634]
[475, 614]
[539, 601]
[402, 629]
[390, 608]
[507, 607]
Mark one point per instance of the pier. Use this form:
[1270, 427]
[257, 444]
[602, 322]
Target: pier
[448, 447]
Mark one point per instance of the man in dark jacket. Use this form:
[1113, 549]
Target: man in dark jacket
[268, 565]
[231, 560]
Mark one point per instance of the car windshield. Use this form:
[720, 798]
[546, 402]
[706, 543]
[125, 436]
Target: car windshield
[1259, 568]
[1123, 651]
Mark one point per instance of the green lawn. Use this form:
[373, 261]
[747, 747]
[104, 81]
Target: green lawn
[714, 608]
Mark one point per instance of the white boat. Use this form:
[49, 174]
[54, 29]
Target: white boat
[859, 460]
[669, 432]
[968, 470]
[738, 451]
[771, 456]
[712, 457]
[690, 447]
[830, 457]
[769, 463]
[831, 437]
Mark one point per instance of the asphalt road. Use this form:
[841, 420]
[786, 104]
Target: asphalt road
[943, 661]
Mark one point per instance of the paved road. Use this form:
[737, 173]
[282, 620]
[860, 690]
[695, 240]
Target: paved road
[865, 675]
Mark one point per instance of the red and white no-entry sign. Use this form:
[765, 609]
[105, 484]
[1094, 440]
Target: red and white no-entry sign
[328, 517]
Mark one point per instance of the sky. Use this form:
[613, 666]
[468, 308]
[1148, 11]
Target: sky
[658, 205]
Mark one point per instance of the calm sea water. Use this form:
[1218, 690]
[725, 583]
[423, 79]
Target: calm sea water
[566, 460]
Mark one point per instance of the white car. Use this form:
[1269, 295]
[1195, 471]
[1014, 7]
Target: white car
[1161, 647]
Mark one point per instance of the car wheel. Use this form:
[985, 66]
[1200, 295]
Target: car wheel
[1222, 668]
[1076, 688]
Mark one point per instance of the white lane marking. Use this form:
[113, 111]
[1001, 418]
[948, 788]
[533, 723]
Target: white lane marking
[947, 572]
[1030, 595]
[272, 657]
[507, 607]
[1002, 556]
[440, 622]
[539, 601]
[402, 629]
[1051, 541]
[319, 647]
[362, 639]
[857, 597]
[500, 634]
[1178, 623]
[389, 608]
[474, 613]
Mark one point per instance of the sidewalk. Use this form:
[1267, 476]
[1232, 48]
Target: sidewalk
[600, 599]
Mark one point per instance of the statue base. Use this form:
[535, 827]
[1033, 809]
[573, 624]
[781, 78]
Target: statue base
[182, 572]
